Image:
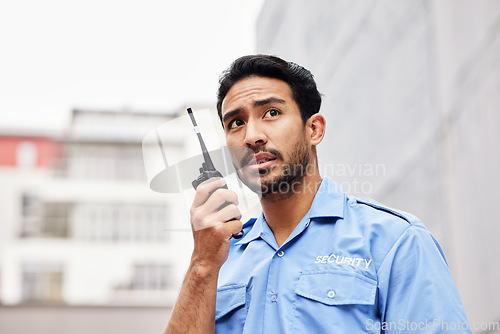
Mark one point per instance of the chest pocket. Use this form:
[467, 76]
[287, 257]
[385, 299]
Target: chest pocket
[337, 288]
[230, 308]
[331, 301]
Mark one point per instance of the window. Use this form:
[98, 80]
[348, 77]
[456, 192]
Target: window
[55, 219]
[120, 222]
[106, 162]
[39, 219]
[31, 215]
[42, 283]
[151, 277]
[26, 154]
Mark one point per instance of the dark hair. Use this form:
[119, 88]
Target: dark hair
[300, 80]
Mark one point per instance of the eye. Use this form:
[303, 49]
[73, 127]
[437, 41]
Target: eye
[272, 113]
[235, 123]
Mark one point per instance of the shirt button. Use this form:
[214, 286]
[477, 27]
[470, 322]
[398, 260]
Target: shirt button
[280, 253]
[274, 298]
[307, 223]
[331, 294]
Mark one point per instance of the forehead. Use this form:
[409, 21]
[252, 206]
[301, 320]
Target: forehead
[248, 90]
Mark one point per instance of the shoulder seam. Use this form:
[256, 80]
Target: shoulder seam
[384, 209]
[391, 248]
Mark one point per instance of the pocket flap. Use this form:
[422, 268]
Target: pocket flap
[229, 297]
[337, 288]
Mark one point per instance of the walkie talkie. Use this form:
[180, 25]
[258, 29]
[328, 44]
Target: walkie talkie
[207, 169]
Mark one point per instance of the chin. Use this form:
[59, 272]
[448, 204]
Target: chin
[253, 181]
[266, 186]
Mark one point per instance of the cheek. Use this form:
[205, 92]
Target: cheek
[233, 140]
[288, 142]
[285, 132]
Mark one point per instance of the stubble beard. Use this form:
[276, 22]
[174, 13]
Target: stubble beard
[286, 183]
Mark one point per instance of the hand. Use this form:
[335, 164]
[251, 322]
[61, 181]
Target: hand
[213, 228]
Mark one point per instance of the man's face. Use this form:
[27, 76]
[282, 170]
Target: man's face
[260, 114]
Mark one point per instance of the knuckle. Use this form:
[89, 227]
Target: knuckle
[233, 196]
[218, 194]
[201, 189]
[223, 195]
[238, 223]
[204, 221]
[233, 210]
[237, 212]
[204, 189]
[232, 207]
[220, 231]
[236, 226]
[193, 211]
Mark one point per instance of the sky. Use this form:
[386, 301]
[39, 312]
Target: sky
[148, 55]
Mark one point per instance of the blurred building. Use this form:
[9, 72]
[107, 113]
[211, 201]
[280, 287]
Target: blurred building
[411, 96]
[82, 229]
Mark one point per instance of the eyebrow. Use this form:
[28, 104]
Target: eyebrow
[230, 114]
[259, 103]
[269, 100]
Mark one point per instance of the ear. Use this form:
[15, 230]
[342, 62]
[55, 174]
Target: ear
[316, 126]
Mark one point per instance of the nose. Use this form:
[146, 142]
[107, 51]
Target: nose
[254, 135]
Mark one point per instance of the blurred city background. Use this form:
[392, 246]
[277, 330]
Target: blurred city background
[412, 100]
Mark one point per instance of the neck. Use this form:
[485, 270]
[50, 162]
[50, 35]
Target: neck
[283, 212]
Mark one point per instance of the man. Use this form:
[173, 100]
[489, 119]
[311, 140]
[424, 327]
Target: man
[316, 260]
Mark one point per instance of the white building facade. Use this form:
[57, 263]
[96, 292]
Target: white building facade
[81, 226]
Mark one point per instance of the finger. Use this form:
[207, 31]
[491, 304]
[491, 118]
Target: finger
[216, 218]
[233, 227]
[219, 198]
[228, 213]
[203, 191]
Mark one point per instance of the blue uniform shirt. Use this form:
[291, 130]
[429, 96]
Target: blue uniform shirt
[350, 266]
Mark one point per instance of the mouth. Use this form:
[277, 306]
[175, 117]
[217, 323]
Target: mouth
[260, 161]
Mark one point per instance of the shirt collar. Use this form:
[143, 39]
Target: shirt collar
[255, 232]
[328, 202]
